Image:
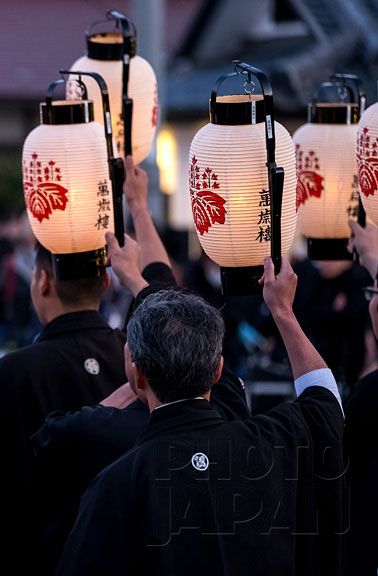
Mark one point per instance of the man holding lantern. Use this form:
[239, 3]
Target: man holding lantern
[76, 360]
[198, 494]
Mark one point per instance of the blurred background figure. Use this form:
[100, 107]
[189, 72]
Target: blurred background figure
[18, 322]
[333, 309]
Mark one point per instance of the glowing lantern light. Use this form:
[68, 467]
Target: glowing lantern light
[327, 193]
[131, 82]
[72, 184]
[243, 204]
[367, 161]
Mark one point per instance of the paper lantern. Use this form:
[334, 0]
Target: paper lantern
[367, 161]
[68, 186]
[232, 192]
[132, 87]
[327, 193]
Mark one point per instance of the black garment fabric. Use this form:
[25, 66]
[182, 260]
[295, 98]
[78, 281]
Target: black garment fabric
[160, 277]
[199, 495]
[48, 375]
[337, 333]
[72, 448]
[361, 435]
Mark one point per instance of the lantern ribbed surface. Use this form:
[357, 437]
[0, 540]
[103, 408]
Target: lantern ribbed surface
[229, 191]
[327, 194]
[68, 193]
[142, 88]
[367, 161]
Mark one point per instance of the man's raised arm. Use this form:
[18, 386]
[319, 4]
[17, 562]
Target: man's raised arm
[308, 367]
[135, 189]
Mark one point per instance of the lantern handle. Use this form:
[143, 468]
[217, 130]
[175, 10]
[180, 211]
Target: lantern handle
[116, 165]
[117, 16]
[354, 85]
[126, 23]
[50, 91]
[266, 88]
[105, 103]
[214, 91]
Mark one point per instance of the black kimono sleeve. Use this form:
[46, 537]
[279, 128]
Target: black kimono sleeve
[361, 433]
[316, 421]
[228, 397]
[105, 525]
[70, 450]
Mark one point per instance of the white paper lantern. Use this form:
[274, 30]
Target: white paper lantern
[229, 186]
[327, 193]
[105, 55]
[67, 188]
[367, 161]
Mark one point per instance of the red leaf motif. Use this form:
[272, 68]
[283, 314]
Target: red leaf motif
[309, 184]
[367, 162]
[301, 194]
[155, 108]
[39, 205]
[28, 187]
[368, 175]
[214, 205]
[208, 207]
[200, 216]
[42, 198]
[55, 193]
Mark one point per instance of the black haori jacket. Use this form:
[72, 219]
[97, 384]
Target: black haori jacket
[72, 448]
[201, 496]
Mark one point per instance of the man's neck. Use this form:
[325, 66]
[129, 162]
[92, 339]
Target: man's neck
[154, 403]
[57, 310]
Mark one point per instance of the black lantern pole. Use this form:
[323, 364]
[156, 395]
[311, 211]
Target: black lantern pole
[275, 173]
[116, 165]
[129, 50]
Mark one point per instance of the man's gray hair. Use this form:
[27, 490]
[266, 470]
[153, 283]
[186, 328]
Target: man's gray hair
[175, 339]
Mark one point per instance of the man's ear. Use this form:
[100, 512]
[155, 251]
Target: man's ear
[141, 383]
[45, 282]
[218, 371]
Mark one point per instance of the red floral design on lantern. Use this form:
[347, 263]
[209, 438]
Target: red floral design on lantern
[310, 182]
[208, 207]
[155, 108]
[367, 162]
[43, 193]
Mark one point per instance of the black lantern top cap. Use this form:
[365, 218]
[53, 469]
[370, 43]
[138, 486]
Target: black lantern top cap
[244, 107]
[114, 44]
[78, 111]
[339, 101]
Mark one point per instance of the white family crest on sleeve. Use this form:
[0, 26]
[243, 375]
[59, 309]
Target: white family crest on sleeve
[92, 366]
[200, 461]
